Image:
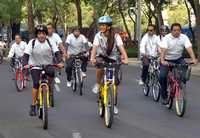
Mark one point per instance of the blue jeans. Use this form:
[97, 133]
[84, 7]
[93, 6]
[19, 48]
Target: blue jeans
[163, 76]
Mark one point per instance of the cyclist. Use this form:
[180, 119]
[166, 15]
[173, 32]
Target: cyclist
[171, 51]
[40, 52]
[164, 30]
[150, 46]
[106, 44]
[56, 38]
[75, 43]
[17, 49]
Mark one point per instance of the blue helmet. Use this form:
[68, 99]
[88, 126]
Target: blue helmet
[105, 20]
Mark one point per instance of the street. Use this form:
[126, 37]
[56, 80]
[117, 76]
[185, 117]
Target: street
[76, 116]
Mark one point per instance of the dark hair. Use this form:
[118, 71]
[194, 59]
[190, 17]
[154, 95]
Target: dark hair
[177, 25]
[76, 29]
[50, 24]
[151, 25]
[111, 41]
[17, 34]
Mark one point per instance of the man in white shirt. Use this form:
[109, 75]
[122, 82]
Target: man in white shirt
[17, 49]
[172, 48]
[75, 43]
[52, 36]
[149, 47]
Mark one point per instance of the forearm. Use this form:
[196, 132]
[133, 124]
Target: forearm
[93, 52]
[123, 52]
[191, 53]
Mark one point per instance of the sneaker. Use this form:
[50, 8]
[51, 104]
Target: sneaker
[96, 88]
[141, 82]
[84, 74]
[69, 84]
[116, 111]
[32, 110]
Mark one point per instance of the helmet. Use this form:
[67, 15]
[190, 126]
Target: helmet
[41, 28]
[105, 20]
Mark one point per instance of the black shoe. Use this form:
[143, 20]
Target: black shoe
[165, 101]
[33, 110]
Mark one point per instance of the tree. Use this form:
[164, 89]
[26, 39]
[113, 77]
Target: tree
[196, 7]
[79, 12]
[30, 19]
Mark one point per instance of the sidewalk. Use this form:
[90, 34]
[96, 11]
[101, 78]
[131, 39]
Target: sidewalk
[195, 69]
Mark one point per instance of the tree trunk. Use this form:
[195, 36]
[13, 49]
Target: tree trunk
[30, 19]
[197, 32]
[123, 18]
[15, 29]
[79, 13]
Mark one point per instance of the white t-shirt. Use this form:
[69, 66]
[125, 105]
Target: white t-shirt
[76, 45]
[101, 42]
[17, 49]
[175, 46]
[41, 53]
[150, 45]
[56, 38]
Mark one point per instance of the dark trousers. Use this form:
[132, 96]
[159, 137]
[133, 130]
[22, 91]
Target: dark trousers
[145, 68]
[164, 73]
[69, 66]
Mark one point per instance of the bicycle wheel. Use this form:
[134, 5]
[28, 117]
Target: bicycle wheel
[44, 107]
[100, 106]
[19, 80]
[115, 95]
[156, 89]
[109, 108]
[80, 83]
[51, 96]
[146, 87]
[73, 81]
[180, 100]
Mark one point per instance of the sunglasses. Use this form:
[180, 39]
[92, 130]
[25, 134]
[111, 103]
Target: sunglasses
[150, 30]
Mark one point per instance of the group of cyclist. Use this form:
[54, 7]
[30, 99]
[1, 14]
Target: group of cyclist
[47, 48]
[169, 46]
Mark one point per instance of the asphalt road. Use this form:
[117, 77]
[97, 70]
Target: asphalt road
[76, 117]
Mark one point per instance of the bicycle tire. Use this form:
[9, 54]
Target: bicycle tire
[44, 107]
[156, 89]
[19, 80]
[146, 88]
[109, 108]
[74, 81]
[180, 97]
[80, 83]
[101, 107]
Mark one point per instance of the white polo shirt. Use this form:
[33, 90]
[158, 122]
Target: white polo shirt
[175, 46]
[41, 53]
[150, 45]
[76, 45]
[17, 49]
[56, 38]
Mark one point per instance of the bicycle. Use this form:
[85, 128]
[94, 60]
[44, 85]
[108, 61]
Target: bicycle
[21, 74]
[177, 77]
[108, 94]
[119, 73]
[44, 100]
[152, 85]
[77, 78]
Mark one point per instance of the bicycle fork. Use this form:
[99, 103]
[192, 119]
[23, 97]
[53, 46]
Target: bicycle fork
[41, 94]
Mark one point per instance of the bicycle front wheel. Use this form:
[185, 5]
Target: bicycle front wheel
[109, 108]
[45, 107]
[80, 83]
[156, 89]
[74, 81]
[146, 87]
[180, 100]
[19, 80]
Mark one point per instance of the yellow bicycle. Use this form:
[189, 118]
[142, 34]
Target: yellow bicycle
[108, 94]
